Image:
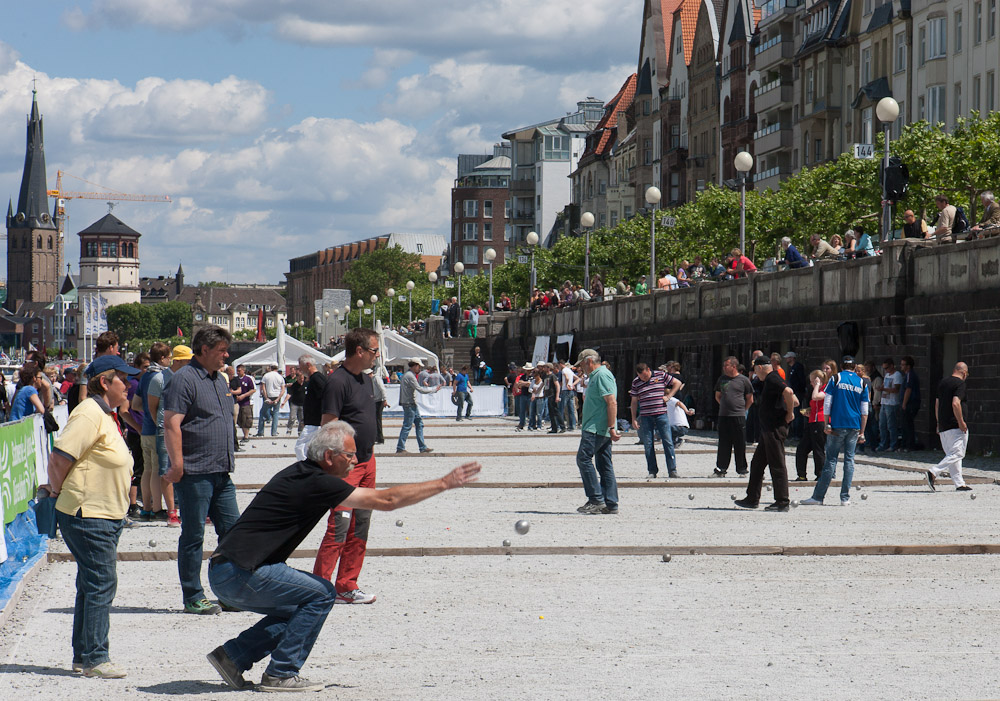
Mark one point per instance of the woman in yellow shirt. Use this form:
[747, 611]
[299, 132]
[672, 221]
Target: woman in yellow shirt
[90, 471]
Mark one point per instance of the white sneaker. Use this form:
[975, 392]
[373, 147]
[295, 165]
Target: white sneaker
[810, 502]
[845, 502]
[354, 597]
[650, 476]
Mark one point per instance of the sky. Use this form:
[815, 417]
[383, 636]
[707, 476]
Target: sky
[281, 127]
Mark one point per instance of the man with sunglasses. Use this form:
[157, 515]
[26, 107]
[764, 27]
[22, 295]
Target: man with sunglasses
[349, 396]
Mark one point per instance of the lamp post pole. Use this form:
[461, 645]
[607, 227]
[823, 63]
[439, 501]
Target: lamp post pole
[433, 278]
[490, 255]
[587, 221]
[887, 110]
[409, 296]
[532, 240]
[361, 305]
[459, 269]
[374, 299]
[743, 163]
[653, 198]
[391, 294]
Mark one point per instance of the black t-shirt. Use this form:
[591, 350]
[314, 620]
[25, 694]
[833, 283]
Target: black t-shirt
[312, 399]
[551, 383]
[772, 404]
[296, 393]
[351, 398]
[511, 378]
[282, 514]
[73, 397]
[948, 388]
[733, 391]
[234, 384]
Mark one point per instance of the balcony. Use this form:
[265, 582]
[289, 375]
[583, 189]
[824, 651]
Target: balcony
[773, 51]
[771, 95]
[522, 187]
[772, 138]
[770, 179]
[775, 10]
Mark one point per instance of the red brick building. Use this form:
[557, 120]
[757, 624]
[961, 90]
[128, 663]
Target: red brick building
[480, 209]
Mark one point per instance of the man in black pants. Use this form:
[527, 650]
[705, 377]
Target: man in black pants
[552, 397]
[777, 409]
[734, 393]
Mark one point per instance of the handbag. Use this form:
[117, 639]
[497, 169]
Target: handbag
[45, 513]
[51, 425]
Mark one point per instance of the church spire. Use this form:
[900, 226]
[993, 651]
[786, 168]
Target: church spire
[32, 202]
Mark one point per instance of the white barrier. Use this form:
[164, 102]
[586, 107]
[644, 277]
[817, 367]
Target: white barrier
[487, 400]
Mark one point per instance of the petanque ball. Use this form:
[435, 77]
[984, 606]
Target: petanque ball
[666, 557]
[399, 523]
[769, 488]
[794, 503]
[732, 497]
[152, 543]
[522, 526]
[864, 497]
[506, 543]
[972, 496]
[691, 497]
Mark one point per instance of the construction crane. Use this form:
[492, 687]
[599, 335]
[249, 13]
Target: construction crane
[108, 195]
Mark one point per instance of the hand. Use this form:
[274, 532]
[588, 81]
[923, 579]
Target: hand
[963, 427]
[789, 417]
[615, 436]
[828, 431]
[861, 438]
[174, 474]
[690, 412]
[635, 424]
[385, 405]
[462, 475]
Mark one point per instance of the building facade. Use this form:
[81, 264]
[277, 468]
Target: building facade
[480, 204]
[236, 307]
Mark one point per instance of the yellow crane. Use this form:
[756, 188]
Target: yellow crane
[108, 195]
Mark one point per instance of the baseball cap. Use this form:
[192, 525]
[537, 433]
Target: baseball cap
[790, 354]
[415, 361]
[587, 353]
[761, 360]
[110, 362]
[847, 360]
[181, 352]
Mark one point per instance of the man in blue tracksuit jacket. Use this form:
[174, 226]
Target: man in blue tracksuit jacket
[845, 411]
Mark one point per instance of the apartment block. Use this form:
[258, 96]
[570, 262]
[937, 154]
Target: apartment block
[480, 210]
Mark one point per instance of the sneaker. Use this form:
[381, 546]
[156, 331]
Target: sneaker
[401, 451]
[673, 474]
[427, 450]
[651, 476]
[173, 519]
[78, 667]
[801, 479]
[845, 502]
[134, 511]
[609, 510]
[930, 481]
[226, 668]
[160, 516]
[227, 608]
[590, 509]
[145, 516]
[718, 473]
[746, 504]
[963, 488]
[743, 473]
[355, 596]
[811, 502]
[296, 683]
[202, 607]
[105, 670]
[780, 508]
[582, 509]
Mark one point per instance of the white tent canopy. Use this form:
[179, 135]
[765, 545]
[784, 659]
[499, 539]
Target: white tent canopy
[397, 349]
[267, 354]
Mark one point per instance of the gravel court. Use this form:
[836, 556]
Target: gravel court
[564, 627]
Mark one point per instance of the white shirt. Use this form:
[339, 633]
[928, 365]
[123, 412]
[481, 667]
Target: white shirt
[894, 379]
[678, 417]
[273, 384]
[568, 377]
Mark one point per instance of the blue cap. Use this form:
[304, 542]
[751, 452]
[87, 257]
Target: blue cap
[110, 362]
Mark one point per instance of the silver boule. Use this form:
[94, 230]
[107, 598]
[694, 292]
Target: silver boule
[399, 523]
[152, 543]
[506, 543]
[691, 497]
[522, 526]
[972, 496]
[732, 497]
[864, 496]
[666, 557]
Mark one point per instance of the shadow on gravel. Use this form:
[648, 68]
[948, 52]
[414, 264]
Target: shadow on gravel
[181, 688]
[541, 513]
[37, 669]
[123, 609]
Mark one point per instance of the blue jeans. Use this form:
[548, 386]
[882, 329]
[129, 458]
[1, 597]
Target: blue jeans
[567, 408]
[411, 417]
[841, 439]
[599, 484]
[535, 421]
[653, 426]
[506, 398]
[295, 605]
[268, 412]
[888, 426]
[200, 496]
[94, 544]
[521, 407]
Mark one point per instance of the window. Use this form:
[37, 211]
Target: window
[866, 64]
[557, 147]
[923, 45]
[675, 135]
[50, 243]
[937, 30]
[645, 106]
[506, 209]
[936, 104]
[978, 22]
[488, 209]
[868, 7]
[900, 52]
[958, 32]
[991, 30]
[866, 126]
[614, 218]
[647, 152]
[921, 108]
[508, 232]
[819, 150]
[469, 231]
[805, 150]
[957, 91]
[976, 80]
[471, 208]
[104, 247]
[603, 220]
[810, 86]
[488, 231]
[991, 83]
[114, 249]
[470, 255]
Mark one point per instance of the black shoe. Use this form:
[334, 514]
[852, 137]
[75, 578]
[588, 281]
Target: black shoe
[673, 474]
[746, 504]
[930, 480]
[133, 512]
[718, 473]
[801, 479]
[562, 430]
[609, 510]
[782, 508]
[963, 488]
[227, 669]
[744, 472]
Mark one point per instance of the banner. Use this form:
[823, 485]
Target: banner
[541, 353]
[102, 321]
[17, 467]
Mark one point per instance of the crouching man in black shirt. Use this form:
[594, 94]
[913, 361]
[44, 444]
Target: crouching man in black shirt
[248, 568]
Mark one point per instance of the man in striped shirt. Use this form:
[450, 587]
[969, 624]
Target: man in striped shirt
[650, 391]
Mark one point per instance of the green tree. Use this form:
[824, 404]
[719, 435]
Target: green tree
[172, 316]
[133, 321]
[378, 270]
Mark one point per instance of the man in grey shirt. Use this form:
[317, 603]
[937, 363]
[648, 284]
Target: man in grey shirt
[198, 428]
[411, 413]
[734, 393]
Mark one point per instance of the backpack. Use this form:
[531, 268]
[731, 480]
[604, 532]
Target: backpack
[961, 222]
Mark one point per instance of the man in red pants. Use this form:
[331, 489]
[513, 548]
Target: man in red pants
[349, 396]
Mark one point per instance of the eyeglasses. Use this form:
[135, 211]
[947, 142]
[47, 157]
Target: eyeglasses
[349, 453]
[372, 350]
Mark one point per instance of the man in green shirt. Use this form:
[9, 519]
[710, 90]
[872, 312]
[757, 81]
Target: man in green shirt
[597, 431]
[642, 288]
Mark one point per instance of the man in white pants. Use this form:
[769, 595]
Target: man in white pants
[312, 403]
[949, 409]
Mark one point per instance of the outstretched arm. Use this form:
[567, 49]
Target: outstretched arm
[407, 494]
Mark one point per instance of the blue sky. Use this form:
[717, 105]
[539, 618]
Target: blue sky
[282, 128]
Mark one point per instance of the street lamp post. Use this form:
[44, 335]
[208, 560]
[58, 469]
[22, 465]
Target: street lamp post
[587, 221]
[433, 277]
[347, 318]
[374, 299]
[360, 304]
[336, 325]
[887, 110]
[459, 269]
[409, 296]
[532, 240]
[653, 198]
[319, 334]
[391, 294]
[326, 328]
[490, 255]
[743, 163]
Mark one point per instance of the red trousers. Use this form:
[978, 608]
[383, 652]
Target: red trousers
[346, 536]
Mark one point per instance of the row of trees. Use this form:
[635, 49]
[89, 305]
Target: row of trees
[140, 325]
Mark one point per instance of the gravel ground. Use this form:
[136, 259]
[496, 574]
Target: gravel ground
[500, 626]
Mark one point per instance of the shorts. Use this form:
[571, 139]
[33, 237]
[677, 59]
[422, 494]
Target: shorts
[245, 417]
[152, 454]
